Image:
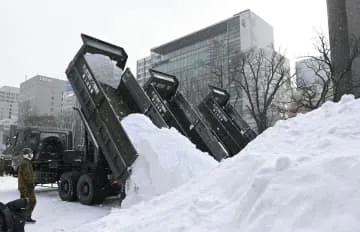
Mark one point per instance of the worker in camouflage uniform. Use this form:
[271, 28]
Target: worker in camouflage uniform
[26, 182]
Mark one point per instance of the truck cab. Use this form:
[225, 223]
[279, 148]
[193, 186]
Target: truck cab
[48, 146]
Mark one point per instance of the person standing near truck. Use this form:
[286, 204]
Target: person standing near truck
[26, 182]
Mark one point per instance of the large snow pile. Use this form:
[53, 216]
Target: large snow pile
[301, 175]
[166, 160]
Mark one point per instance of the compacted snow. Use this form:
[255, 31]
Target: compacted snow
[166, 160]
[303, 174]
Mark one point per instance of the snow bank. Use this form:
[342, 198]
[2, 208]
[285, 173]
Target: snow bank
[301, 175]
[167, 159]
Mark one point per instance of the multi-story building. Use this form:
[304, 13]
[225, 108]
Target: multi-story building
[192, 53]
[41, 96]
[9, 100]
[142, 69]
[209, 55]
[343, 20]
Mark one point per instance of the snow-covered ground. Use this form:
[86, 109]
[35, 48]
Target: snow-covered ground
[303, 174]
[51, 213]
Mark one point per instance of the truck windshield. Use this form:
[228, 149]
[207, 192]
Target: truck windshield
[60, 137]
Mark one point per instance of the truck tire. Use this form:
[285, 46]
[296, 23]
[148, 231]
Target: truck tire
[67, 186]
[88, 192]
[14, 172]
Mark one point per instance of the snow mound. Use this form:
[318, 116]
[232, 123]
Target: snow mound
[303, 174]
[167, 159]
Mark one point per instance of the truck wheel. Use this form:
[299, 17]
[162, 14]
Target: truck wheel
[67, 186]
[88, 192]
[14, 172]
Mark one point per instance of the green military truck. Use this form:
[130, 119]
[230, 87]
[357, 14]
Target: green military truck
[49, 146]
[103, 166]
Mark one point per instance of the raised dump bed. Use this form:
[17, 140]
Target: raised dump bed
[95, 74]
[233, 132]
[246, 130]
[162, 89]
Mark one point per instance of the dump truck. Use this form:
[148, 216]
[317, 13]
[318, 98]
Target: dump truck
[231, 130]
[106, 92]
[162, 89]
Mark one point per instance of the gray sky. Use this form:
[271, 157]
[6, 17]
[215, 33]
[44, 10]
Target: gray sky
[42, 36]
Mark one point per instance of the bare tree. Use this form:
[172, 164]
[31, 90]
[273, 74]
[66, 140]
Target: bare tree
[311, 94]
[263, 75]
[253, 78]
[329, 78]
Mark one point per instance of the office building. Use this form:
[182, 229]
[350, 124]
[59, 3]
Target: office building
[142, 69]
[41, 96]
[9, 100]
[190, 56]
[208, 56]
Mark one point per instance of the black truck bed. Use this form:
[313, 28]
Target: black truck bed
[94, 74]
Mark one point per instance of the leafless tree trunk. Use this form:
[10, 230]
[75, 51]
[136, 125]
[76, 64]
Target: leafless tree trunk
[262, 75]
[334, 73]
[253, 78]
[329, 78]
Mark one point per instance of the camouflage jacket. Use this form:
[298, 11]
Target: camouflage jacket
[25, 175]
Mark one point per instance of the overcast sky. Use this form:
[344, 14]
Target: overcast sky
[42, 36]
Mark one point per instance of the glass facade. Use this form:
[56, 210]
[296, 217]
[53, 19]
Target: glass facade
[203, 62]
[142, 69]
[210, 56]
